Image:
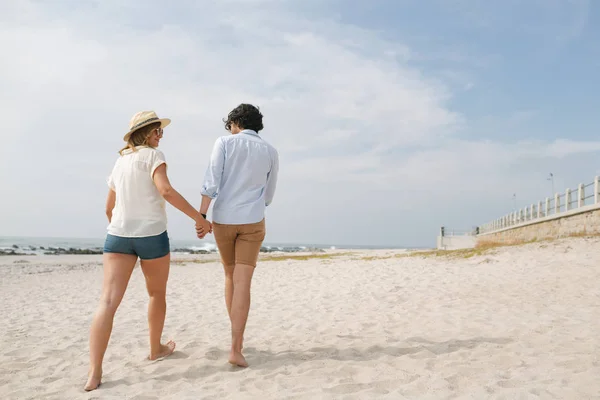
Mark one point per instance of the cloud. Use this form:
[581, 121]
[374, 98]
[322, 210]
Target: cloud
[368, 140]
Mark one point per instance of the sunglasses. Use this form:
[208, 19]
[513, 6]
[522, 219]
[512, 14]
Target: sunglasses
[159, 131]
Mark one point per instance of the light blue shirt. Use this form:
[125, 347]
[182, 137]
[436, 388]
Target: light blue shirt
[241, 175]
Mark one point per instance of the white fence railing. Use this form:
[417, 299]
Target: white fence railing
[585, 195]
[451, 239]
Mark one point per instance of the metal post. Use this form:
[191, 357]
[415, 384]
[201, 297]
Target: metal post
[597, 190]
[567, 199]
[580, 195]
[547, 206]
[532, 212]
[556, 203]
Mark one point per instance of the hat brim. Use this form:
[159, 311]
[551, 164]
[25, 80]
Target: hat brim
[163, 123]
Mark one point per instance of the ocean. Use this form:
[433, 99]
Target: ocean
[41, 246]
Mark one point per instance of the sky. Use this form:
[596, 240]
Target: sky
[392, 118]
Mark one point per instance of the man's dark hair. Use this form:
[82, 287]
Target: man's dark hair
[245, 116]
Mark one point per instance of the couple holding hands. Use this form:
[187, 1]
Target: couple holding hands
[241, 177]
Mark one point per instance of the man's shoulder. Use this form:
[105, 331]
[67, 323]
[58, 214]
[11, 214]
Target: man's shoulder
[271, 148]
[232, 139]
[262, 140]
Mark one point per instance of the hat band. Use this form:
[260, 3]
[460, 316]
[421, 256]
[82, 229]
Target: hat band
[143, 122]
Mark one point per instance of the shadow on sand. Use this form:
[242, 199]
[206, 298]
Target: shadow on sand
[268, 360]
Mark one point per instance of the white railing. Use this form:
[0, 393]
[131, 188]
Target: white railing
[450, 239]
[562, 204]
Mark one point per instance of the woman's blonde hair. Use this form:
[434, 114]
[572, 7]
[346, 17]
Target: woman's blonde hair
[140, 137]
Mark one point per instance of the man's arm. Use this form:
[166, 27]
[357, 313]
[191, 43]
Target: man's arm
[205, 204]
[212, 181]
[214, 173]
[272, 179]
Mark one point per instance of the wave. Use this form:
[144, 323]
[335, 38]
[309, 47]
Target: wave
[65, 247]
[60, 246]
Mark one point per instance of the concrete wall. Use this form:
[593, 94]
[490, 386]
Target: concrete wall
[581, 221]
[456, 242]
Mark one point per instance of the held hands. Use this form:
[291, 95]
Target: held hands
[203, 227]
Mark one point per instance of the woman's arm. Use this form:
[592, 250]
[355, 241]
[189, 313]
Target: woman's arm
[170, 194]
[110, 204]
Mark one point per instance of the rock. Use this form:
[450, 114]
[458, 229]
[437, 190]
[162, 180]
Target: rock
[199, 252]
[291, 250]
[71, 251]
[314, 250]
[11, 252]
[189, 251]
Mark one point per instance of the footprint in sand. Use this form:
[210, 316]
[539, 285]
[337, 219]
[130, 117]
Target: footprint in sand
[212, 355]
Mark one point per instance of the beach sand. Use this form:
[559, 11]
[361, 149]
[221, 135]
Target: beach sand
[516, 323]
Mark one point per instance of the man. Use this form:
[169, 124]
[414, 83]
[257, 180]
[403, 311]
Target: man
[241, 176]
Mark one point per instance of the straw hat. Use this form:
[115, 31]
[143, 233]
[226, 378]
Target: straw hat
[144, 118]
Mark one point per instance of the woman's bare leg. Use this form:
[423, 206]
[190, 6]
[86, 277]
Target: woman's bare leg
[242, 279]
[156, 273]
[117, 271]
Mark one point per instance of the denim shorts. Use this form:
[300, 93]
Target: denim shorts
[146, 248]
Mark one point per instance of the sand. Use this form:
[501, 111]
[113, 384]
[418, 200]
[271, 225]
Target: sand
[518, 323]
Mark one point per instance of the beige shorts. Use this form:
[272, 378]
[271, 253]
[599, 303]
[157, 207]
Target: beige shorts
[239, 244]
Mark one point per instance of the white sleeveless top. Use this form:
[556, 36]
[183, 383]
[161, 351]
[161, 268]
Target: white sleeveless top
[139, 208]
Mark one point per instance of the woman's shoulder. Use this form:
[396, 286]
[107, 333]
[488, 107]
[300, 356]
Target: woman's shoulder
[151, 152]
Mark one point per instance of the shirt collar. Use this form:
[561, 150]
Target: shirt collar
[129, 151]
[249, 132]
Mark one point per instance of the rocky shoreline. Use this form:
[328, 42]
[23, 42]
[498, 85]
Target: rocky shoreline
[56, 251]
[48, 251]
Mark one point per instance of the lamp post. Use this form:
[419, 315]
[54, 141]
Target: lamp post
[551, 179]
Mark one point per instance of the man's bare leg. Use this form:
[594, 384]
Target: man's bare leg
[228, 287]
[240, 306]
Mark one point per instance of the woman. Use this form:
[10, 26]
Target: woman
[242, 176]
[135, 207]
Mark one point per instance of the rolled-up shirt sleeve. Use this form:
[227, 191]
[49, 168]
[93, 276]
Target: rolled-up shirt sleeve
[158, 159]
[214, 172]
[110, 181]
[272, 179]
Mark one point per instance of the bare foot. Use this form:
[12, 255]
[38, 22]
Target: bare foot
[93, 383]
[165, 351]
[236, 358]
